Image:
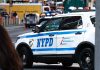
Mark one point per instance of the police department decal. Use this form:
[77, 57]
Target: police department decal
[65, 40]
[31, 42]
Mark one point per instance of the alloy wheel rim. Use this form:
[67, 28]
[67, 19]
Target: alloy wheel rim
[86, 60]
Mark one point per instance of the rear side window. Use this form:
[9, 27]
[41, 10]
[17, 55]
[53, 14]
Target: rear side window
[73, 22]
[93, 20]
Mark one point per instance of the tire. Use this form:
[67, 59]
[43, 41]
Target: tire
[86, 59]
[26, 57]
[67, 64]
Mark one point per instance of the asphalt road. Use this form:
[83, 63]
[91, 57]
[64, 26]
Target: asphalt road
[14, 31]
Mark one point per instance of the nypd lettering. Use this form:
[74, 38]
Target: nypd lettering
[45, 42]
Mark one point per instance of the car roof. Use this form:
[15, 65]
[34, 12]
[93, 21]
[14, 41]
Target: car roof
[76, 14]
[91, 13]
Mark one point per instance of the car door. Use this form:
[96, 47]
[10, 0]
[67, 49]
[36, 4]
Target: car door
[70, 35]
[46, 42]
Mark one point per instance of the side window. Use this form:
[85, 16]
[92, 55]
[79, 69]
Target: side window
[93, 20]
[52, 25]
[74, 22]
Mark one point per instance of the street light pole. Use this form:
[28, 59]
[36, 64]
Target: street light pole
[10, 5]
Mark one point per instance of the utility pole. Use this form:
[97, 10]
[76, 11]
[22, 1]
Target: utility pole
[10, 5]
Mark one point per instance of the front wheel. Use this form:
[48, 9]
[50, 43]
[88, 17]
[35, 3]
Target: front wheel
[86, 59]
[26, 57]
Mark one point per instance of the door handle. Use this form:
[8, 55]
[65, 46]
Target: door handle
[78, 33]
[51, 34]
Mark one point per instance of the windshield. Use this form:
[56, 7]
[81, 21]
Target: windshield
[30, 16]
[43, 21]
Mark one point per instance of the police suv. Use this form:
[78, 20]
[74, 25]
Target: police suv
[64, 38]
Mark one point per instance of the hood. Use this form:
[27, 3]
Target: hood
[26, 34]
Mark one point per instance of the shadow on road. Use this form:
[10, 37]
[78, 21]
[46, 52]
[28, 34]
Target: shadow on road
[52, 67]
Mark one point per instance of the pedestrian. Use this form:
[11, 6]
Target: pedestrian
[45, 3]
[14, 15]
[9, 58]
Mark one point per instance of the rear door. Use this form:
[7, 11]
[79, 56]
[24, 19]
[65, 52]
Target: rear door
[70, 35]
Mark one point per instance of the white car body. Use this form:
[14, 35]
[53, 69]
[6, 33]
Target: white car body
[60, 42]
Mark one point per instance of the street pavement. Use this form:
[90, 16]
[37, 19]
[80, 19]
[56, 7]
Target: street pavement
[15, 30]
[14, 27]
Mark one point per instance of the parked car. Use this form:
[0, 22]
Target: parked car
[30, 20]
[64, 38]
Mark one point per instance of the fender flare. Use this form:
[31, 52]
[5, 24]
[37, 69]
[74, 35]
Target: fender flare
[24, 45]
[84, 44]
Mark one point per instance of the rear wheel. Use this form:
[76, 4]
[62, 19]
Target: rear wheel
[26, 57]
[86, 59]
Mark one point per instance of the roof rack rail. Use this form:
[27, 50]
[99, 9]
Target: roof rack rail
[81, 10]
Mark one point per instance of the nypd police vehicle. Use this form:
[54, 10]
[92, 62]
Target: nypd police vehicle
[64, 38]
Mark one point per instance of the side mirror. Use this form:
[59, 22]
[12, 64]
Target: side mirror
[33, 30]
[36, 29]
